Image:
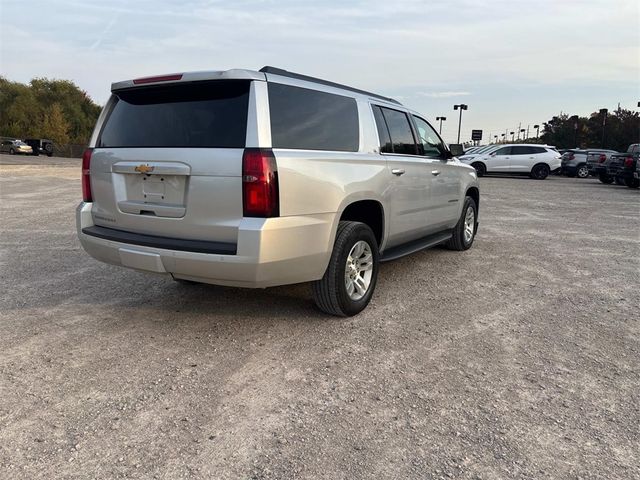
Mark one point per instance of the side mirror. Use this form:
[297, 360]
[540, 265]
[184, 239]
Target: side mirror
[456, 149]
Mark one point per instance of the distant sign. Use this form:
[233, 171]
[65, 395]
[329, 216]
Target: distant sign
[476, 135]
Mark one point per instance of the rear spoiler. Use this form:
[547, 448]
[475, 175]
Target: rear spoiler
[173, 78]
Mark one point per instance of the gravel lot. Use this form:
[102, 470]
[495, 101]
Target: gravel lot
[517, 359]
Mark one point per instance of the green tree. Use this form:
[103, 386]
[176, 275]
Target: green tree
[621, 128]
[28, 110]
[55, 125]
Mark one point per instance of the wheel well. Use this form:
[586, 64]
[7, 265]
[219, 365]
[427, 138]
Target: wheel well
[481, 163]
[369, 212]
[539, 164]
[474, 193]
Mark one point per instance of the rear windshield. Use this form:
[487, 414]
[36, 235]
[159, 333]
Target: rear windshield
[200, 114]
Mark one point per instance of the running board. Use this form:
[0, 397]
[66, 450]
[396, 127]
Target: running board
[416, 245]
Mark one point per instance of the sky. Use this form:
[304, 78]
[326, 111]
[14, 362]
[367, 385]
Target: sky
[512, 62]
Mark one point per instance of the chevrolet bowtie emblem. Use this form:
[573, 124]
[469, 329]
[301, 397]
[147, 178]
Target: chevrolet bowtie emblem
[144, 168]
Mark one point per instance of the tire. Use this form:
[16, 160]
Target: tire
[605, 179]
[330, 293]
[582, 171]
[540, 171]
[48, 147]
[12, 151]
[481, 169]
[632, 182]
[462, 239]
[619, 181]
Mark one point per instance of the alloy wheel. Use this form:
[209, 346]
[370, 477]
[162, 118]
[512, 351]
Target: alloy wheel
[469, 224]
[358, 270]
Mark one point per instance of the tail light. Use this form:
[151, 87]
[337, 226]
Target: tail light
[86, 175]
[160, 78]
[259, 183]
[628, 162]
[571, 156]
[602, 158]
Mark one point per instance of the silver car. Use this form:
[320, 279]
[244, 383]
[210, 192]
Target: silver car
[262, 178]
[13, 147]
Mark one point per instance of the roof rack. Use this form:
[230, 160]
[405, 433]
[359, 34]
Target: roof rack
[285, 73]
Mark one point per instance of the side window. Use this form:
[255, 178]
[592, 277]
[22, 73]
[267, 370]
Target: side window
[312, 120]
[428, 139]
[400, 132]
[383, 131]
[503, 151]
[521, 150]
[537, 150]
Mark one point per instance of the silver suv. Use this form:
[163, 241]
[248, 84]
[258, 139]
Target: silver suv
[256, 179]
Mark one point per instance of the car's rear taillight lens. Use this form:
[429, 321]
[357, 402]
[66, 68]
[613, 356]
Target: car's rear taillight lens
[571, 156]
[160, 78]
[260, 193]
[628, 162]
[602, 158]
[86, 175]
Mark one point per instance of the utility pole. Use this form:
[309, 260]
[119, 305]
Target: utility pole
[604, 112]
[575, 130]
[460, 107]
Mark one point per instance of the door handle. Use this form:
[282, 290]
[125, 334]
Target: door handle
[397, 171]
[435, 172]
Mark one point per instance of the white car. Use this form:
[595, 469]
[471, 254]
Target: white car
[482, 150]
[534, 160]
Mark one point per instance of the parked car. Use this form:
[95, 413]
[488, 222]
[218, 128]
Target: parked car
[574, 162]
[286, 179]
[13, 147]
[623, 166]
[597, 164]
[480, 151]
[534, 160]
[40, 146]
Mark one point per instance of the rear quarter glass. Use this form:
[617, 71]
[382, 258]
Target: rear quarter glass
[199, 114]
[308, 119]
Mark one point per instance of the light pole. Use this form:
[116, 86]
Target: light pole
[460, 107]
[512, 134]
[537, 127]
[441, 119]
[575, 130]
[603, 112]
[495, 139]
[521, 131]
[503, 135]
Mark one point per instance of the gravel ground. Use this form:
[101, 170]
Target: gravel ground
[517, 359]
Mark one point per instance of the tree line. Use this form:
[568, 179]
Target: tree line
[44, 108]
[611, 130]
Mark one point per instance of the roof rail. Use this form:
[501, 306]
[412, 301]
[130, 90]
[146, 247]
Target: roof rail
[285, 73]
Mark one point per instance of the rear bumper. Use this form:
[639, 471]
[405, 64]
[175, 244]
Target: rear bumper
[269, 252]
